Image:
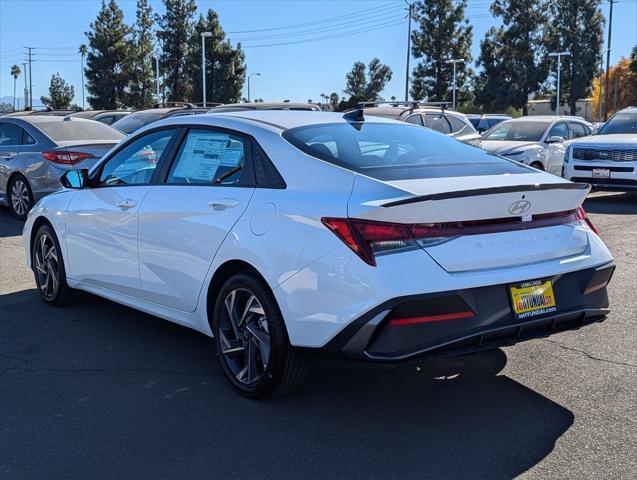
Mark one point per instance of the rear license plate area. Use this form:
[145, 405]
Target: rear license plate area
[532, 299]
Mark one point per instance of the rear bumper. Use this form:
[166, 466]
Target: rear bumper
[386, 335]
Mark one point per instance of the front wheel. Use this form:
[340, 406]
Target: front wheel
[251, 340]
[48, 268]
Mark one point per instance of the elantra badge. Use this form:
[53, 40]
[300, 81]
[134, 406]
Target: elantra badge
[519, 207]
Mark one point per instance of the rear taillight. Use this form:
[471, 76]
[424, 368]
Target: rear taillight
[66, 158]
[367, 238]
[583, 217]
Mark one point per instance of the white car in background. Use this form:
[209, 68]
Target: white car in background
[538, 141]
[287, 233]
[609, 158]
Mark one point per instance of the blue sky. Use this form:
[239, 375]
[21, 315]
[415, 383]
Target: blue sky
[296, 71]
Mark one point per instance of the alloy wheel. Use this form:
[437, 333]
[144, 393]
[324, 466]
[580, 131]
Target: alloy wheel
[244, 336]
[20, 197]
[47, 266]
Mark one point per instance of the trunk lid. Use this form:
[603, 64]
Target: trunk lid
[521, 200]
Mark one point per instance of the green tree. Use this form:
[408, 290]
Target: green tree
[333, 99]
[442, 33]
[83, 51]
[107, 62]
[366, 83]
[576, 27]
[15, 73]
[633, 61]
[513, 57]
[225, 65]
[60, 93]
[175, 35]
[141, 58]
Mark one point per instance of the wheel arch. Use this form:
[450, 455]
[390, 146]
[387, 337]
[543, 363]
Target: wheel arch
[37, 223]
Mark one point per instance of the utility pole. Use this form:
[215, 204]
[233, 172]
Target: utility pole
[610, 30]
[30, 81]
[258, 75]
[203, 63]
[26, 92]
[559, 56]
[411, 6]
[454, 62]
[157, 76]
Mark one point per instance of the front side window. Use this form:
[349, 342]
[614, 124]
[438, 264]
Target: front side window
[135, 163]
[578, 130]
[10, 135]
[560, 129]
[517, 131]
[620, 123]
[209, 157]
[437, 122]
[396, 151]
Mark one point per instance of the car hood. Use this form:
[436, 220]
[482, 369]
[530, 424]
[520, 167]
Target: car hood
[613, 139]
[500, 147]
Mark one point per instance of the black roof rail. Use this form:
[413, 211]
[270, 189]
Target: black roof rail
[173, 105]
[410, 103]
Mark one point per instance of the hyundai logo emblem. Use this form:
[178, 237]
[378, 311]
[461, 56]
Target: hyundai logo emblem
[519, 207]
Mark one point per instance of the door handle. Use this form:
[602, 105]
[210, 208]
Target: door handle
[9, 156]
[223, 203]
[126, 204]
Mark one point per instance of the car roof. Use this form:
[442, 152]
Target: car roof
[279, 119]
[266, 106]
[629, 110]
[546, 118]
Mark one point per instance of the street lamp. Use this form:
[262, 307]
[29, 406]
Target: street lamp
[454, 61]
[601, 75]
[157, 54]
[203, 63]
[559, 56]
[252, 74]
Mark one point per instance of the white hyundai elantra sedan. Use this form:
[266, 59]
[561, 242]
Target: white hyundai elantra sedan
[282, 234]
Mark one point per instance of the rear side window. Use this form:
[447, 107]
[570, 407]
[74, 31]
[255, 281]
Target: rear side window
[456, 123]
[415, 119]
[209, 157]
[437, 122]
[578, 130]
[62, 131]
[396, 151]
[10, 134]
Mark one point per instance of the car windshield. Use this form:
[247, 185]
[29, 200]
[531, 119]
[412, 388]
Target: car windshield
[620, 123]
[65, 131]
[517, 131]
[388, 151]
[135, 121]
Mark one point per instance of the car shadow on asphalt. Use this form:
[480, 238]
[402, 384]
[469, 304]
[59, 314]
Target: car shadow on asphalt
[101, 390]
[613, 203]
[9, 226]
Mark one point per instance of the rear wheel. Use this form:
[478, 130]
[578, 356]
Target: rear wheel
[20, 197]
[48, 268]
[251, 340]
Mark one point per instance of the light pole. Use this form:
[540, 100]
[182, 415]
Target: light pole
[454, 61]
[601, 77]
[252, 74]
[559, 56]
[203, 63]
[157, 53]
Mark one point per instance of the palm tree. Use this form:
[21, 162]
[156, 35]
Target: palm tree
[15, 73]
[83, 50]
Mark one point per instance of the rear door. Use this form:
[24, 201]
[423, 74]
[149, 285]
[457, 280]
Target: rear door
[102, 221]
[185, 218]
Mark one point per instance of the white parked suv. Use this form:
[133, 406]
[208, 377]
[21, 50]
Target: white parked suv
[538, 141]
[608, 159]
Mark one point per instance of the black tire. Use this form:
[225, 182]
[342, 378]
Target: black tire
[284, 369]
[19, 197]
[48, 261]
[537, 165]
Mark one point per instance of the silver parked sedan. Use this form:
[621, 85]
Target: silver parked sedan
[35, 151]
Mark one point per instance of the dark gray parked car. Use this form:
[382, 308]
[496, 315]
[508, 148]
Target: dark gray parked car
[35, 151]
[141, 118]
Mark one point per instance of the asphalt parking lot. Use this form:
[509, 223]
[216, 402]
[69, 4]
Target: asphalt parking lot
[97, 390]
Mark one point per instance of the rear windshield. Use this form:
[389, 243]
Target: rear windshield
[389, 151]
[78, 130]
[135, 121]
[620, 123]
[517, 131]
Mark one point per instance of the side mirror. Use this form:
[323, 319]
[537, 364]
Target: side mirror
[75, 179]
[554, 139]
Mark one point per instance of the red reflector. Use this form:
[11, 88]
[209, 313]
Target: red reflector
[431, 318]
[66, 158]
[594, 288]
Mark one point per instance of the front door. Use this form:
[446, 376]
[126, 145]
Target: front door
[187, 215]
[102, 220]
